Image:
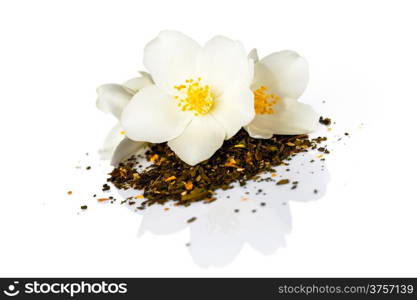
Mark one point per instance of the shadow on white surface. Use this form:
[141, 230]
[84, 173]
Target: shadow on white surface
[258, 213]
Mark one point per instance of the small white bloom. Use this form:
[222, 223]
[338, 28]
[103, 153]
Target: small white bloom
[279, 80]
[201, 95]
[112, 98]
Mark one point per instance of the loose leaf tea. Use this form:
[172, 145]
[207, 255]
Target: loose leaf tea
[240, 159]
[283, 181]
[325, 121]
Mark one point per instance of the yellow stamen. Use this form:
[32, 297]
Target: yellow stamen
[264, 102]
[197, 97]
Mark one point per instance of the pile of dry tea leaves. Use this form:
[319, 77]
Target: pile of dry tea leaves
[240, 159]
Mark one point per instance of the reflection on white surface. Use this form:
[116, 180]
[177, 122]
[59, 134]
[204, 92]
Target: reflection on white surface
[257, 214]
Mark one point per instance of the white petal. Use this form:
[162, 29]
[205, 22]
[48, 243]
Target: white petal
[285, 73]
[202, 137]
[222, 62]
[153, 116]
[293, 118]
[253, 54]
[147, 75]
[112, 98]
[234, 109]
[135, 84]
[126, 149]
[113, 138]
[171, 59]
[258, 133]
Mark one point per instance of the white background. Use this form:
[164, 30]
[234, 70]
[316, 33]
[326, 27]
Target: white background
[53, 54]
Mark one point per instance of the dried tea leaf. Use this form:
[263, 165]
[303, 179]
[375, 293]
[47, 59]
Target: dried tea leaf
[240, 159]
[283, 181]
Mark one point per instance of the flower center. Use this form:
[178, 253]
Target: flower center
[264, 102]
[196, 97]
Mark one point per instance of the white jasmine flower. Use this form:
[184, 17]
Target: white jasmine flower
[279, 80]
[112, 98]
[200, 96]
